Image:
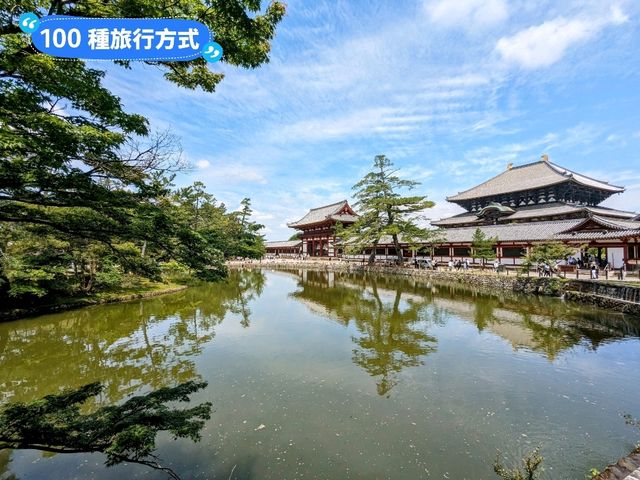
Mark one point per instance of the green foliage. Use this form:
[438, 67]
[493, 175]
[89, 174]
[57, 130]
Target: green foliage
[634, 422]
[233, 234]
[296, 236]
[548, 252]
[84, 187]
[124, 433]
[384, 211]
[482, 247]
[529, 471]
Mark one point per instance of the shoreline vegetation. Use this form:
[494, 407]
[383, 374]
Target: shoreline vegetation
[607, 295]
[142, 291]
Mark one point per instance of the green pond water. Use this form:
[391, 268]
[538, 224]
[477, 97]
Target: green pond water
[352, 376]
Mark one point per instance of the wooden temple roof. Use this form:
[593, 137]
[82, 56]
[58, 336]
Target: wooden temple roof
[530, 177]
[538, 210]
[283, 244]
[339, 212]
[573, 229]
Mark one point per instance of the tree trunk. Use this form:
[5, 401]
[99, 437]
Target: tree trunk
[372, 256]
[396, 244]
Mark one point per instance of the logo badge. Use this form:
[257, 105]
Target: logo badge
[212, 52]
[29, 22]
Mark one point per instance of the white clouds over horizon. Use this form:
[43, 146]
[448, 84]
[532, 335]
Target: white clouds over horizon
[429, 83]
[467, 13]
[545, 44]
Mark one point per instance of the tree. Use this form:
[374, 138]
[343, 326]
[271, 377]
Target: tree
[531, 463]
[77, 166]
[383, 211]
[124, 433]
[483, 247]
[436, 237]
[548, 252]
[246, 242]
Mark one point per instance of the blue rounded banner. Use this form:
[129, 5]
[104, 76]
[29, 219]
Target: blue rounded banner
[159, 39]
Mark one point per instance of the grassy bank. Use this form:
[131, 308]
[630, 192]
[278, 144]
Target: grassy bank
[133, 291]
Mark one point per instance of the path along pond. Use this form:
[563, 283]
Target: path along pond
[352, 376]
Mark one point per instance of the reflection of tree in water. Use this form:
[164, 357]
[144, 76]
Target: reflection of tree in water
[392, 330]
[247, 286]
[391, 313]
[391, 340]
[128, 346]
[5, 458]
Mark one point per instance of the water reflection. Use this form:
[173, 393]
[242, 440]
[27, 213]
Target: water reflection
[392, 323]
[393, 315]
[5, 459]
[127, 346]
[495, 367]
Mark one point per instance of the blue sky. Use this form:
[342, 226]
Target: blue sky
[451, 90]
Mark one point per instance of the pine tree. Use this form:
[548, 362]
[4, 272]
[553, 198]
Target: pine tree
[483, 247]
[124, 433]
[384, 211]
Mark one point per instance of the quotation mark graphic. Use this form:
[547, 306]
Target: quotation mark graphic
[29, 22]
[212, 52]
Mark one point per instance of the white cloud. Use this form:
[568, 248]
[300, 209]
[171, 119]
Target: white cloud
[628, 201]
[233, 173]
[443, 209]
[361, 122]
[202, 164]
[467, 13]
[545, 44]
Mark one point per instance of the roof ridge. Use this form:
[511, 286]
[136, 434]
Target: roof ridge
[541, 222]
[328, 205]
[496, 176]
[582, 174]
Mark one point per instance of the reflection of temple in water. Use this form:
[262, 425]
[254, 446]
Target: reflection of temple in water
[546, 326]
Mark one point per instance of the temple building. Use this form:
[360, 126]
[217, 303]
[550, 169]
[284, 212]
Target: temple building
[524, 205]
[287, 248]
[540, 202]
[317, 230]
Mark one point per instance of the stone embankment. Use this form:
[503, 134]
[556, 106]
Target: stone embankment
[627, 468]
[614, 296]
[622, 297]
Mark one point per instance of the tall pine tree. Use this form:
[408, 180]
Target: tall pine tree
[384, 211]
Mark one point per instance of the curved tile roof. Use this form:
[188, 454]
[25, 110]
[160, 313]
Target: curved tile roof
[531, 176]
[320, 214]
[283, 244]
[540, 210]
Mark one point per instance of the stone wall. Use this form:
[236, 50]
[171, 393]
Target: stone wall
[616, 296]
[610, 295]
[627, 468]
[476, 278]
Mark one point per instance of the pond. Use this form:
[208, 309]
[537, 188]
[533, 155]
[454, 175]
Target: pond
[353, 377]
